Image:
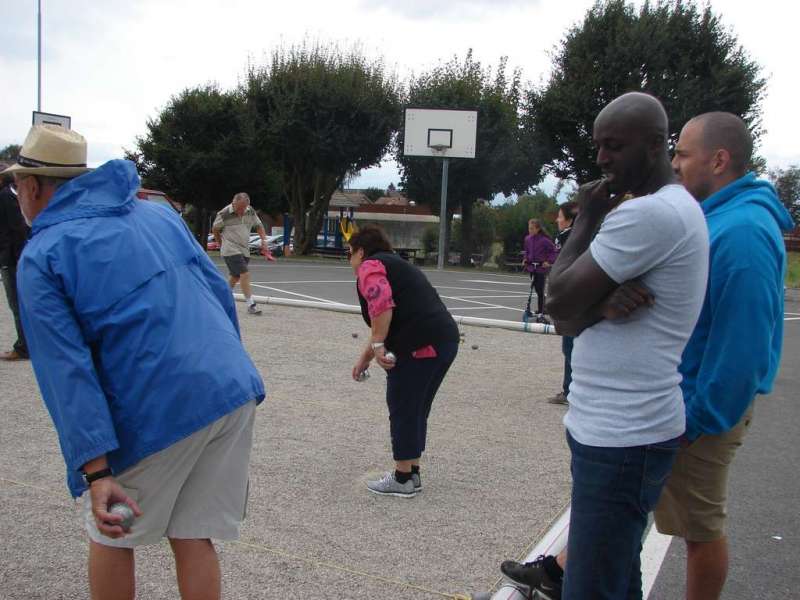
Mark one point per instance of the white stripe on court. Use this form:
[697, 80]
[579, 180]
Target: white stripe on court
[468, 289]
[452, 308]
[525, 283]
[792, 319]
[350, 281]
[653, 552]
[266, 287]
[482, 303]
[508, 295]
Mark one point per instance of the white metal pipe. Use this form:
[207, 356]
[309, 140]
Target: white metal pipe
[354, 309]
[553, 542]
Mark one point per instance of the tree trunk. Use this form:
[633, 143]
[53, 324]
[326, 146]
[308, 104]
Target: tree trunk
[204, 227]
[466, 233]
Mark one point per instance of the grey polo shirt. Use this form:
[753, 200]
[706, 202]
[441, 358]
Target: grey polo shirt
[235, 230]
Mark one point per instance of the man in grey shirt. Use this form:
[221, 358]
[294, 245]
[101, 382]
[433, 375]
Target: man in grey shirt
[632, 295]
[234, 224]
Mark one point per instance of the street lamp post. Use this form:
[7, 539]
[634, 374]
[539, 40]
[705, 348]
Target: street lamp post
[39, 62]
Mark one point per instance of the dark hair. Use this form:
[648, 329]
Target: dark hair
[372, 238]
[570, 210]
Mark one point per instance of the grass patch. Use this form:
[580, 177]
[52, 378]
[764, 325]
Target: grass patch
[793, 269]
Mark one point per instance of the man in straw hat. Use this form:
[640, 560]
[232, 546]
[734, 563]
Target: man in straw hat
[13, 234]
[153, 407]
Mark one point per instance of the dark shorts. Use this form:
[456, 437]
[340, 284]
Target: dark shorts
[237, 264]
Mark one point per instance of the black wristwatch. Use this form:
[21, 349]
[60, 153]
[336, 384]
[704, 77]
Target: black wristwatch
[88, 478]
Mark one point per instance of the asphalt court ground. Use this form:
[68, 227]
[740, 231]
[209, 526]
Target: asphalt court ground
[496, 471]
[465, 292]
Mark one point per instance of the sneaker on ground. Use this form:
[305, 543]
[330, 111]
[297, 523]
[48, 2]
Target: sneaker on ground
[534, 576]
[559, 398]
[389, 486]
[415, 477]
[253, 310]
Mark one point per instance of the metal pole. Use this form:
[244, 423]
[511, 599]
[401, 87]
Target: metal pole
[39, 62]
[443, 217]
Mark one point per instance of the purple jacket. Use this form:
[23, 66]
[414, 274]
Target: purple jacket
[538, 249]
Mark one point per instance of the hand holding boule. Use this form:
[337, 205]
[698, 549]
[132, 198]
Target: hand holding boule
[124, 511]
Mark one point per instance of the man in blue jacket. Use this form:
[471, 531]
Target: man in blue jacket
[135, 344]
[735, 349]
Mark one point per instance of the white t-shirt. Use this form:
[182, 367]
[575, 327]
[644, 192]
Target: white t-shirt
[625, 382]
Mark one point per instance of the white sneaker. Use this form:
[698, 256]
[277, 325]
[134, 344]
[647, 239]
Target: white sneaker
[253, 310]
[389, 486]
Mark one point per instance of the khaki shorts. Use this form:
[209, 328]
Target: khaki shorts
[693, 502]
[195, 489]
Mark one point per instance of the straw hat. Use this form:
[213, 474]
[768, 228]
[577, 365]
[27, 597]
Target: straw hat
[51, 151]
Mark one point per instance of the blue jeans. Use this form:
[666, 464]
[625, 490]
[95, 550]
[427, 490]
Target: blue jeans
[613, 490]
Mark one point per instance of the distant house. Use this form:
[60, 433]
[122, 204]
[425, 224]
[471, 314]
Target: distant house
[159, 197]
[403, 220]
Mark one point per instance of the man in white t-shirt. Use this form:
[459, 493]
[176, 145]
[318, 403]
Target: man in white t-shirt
[632, 294]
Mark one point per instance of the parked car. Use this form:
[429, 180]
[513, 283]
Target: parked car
[211, 243]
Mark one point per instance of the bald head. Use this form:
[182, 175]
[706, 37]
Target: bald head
[638, 111]
[726, 131]
[630, 135]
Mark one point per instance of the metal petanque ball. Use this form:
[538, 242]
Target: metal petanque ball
[355, 335]
[390, 357]
[474, 346]
[125, 511]
[363, 376]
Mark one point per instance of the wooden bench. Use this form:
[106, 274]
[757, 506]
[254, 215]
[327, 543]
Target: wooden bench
[513, 262]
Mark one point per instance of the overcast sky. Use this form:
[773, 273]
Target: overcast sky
[111, 65]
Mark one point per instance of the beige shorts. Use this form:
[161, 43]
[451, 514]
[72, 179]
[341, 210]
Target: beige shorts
[693, 504]
[195, 489]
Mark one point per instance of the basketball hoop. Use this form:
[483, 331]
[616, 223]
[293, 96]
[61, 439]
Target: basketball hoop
[439, 149]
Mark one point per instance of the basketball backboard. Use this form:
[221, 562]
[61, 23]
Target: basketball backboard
[42, 118]
[440, 132]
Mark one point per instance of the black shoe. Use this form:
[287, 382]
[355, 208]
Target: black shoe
[534, 576]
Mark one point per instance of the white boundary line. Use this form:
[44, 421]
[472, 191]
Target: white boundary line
[653, 554]
[525, 283]
[452, 308]
[482, 303]
[266, 287]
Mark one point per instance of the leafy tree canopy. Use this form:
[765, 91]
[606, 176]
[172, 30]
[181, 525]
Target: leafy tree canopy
[501, 163]
[201, 150]
[10, 152]
[674, 50]
[512, 218]
[787, 184]
[374, 193]
[322, 115]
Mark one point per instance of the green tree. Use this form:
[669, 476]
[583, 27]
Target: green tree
[201, 150]
[10, 152]
[502, 163]
[323, 116]
[787, 184]
[512, 219]
[374, 193]
[680, 53]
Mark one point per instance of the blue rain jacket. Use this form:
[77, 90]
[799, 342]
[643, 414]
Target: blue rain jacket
[132, 331]
[735, 349]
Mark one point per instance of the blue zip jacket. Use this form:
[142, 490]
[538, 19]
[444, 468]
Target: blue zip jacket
[132, 331]
[735, 349]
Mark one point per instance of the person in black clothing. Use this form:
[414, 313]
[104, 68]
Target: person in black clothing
[13, 235]
[413, 337]
[566, 215]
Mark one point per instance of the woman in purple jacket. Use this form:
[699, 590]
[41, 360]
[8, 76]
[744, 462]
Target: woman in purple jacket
[540, 254]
